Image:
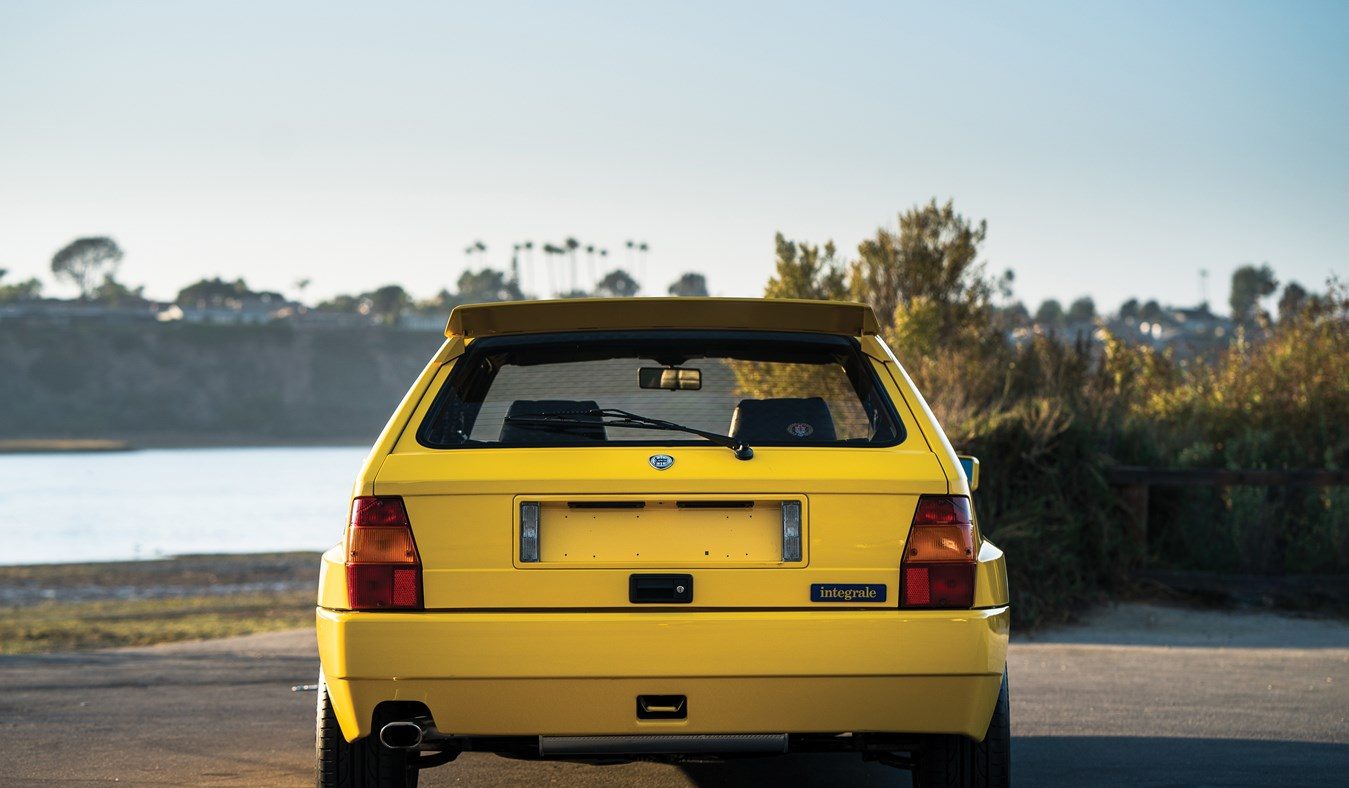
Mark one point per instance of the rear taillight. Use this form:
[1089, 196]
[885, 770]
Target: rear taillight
[938, 566]
[384, 571]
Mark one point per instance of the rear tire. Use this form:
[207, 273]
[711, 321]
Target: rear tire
[364, 763]
[961, 762]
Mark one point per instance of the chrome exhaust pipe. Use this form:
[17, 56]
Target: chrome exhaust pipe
[402, 735]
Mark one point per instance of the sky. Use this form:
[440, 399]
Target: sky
[1115, 149]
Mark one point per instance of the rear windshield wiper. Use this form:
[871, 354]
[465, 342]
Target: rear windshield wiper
[612, 417]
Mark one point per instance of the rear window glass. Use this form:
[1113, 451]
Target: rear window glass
[556, 390]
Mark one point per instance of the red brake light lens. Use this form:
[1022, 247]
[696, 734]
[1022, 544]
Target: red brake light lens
[371, 510]
[384, 571]
[939, 564]
[938, 586]
[942, 510]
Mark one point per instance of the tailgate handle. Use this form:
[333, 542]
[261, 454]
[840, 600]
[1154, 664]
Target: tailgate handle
[660, 589]
[662, 707]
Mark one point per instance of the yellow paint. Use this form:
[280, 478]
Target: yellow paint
[591, 314]
[553, 647]
[532, 673]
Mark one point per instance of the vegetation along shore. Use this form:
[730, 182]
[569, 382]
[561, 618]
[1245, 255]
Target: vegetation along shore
[65, 607]
[60, 445]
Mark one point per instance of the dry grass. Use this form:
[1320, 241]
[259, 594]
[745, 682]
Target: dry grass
[46, 445]
[71, 626]
[64, 607]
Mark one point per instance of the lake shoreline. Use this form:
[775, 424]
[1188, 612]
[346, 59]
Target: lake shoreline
[61, 445]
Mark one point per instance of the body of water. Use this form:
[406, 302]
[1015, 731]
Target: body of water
[57, 508]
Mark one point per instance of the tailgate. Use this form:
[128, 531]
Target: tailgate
[602, 517]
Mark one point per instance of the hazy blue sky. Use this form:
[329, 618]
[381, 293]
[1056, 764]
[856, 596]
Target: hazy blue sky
[1115, 149]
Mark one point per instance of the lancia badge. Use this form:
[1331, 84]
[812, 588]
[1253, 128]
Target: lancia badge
[660, 461]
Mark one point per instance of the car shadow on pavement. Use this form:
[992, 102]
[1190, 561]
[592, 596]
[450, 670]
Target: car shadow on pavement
[804, 771]
[1084, 761]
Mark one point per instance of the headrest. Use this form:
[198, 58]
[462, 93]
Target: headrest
[561, 433]
[805, 419]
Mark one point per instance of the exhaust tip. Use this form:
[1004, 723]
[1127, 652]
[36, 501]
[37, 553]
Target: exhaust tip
[402, 735]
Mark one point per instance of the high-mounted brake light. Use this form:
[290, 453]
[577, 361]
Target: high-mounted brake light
[937, 570]
[384, 571]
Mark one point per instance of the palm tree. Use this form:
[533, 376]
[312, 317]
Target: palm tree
[529, 262]
[477, 247]
[552, 251]
[590, 263]
[642, 249]
[515, 264]
[604, 259]
[572, 246]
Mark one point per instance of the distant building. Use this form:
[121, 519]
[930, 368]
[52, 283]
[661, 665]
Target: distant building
[1199, 320]
[418, 321]
[61, 311]
[251, 310]
[323, 318]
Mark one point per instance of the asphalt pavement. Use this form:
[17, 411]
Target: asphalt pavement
[1138, 696]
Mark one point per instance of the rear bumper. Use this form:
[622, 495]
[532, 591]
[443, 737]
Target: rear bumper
[578, 673]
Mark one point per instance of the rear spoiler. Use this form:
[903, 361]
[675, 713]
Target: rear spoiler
[600, 314]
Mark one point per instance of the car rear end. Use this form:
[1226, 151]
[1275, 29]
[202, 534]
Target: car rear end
[580, 590]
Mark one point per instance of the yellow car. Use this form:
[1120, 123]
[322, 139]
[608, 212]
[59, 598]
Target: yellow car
[617, 529]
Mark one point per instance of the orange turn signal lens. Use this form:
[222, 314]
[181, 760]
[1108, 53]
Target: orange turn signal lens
[378, 545]
[940, 543]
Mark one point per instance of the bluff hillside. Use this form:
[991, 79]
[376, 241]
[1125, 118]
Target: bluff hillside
[178, 383]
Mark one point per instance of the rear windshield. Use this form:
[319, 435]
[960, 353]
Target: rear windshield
[765, 388]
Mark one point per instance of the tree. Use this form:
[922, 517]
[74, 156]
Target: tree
[1293, 300]
[83, 259]
[1014, 315]
[1128, 311]
[617, 284]
[803, 271]
[19, 291]
[114, 293]
[341, 303]
[212, 292]
[552, 251]
[486, 286]
[590, 263]
[1083, 310]
[572, 245]
[933, 258]
[1151, 312]
[386, 304]
[1249, 285]
[689, 284]
[1050, 313]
